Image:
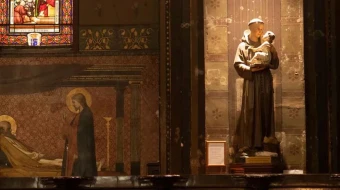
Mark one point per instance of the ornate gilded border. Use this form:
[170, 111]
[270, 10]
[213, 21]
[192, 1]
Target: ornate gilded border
[118, 37]
[68, 53]
[168, 85]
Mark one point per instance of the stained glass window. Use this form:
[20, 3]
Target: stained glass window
[36, 22]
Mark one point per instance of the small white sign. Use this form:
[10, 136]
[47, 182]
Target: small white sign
[34, 39]
[292, 171]
[216, 153]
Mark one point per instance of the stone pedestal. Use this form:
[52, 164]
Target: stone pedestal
[245, 168]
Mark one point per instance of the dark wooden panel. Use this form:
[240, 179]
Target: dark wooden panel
[316, 71]
[201, 84]
[335, 47]
[180, 87]
[176, 97]
[185, 89]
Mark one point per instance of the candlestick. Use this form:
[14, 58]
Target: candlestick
[107, 119]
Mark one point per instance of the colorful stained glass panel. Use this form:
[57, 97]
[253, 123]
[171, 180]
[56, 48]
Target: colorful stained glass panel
[36, 22]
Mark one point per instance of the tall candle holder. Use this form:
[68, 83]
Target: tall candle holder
[107, 119]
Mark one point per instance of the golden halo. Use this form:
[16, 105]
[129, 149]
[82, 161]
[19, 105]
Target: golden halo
[76, 91]
[11, 121]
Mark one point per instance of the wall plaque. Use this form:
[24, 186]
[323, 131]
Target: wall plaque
[216, 153]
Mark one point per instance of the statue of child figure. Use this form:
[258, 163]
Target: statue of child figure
[262, 53]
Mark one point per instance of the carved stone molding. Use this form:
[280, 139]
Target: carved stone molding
[106, 75]
[168, 84]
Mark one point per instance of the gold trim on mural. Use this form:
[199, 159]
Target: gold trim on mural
[135, 38]
[97, 39]
[168, 85]
[107, 119]
[75, 91]
[98, 78]
[11, 121]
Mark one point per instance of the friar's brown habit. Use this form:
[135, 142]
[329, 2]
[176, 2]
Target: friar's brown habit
[257, 113]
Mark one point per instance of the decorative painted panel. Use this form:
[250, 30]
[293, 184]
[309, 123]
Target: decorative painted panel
[106, 38]
[117, 86]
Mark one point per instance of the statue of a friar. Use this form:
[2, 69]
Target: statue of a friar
[256, 122]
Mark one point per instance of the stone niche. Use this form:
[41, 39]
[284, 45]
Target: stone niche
[225, 21]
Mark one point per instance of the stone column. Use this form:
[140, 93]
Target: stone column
[120, 127]
[293, 84]
[218, 118]
[135, 127]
